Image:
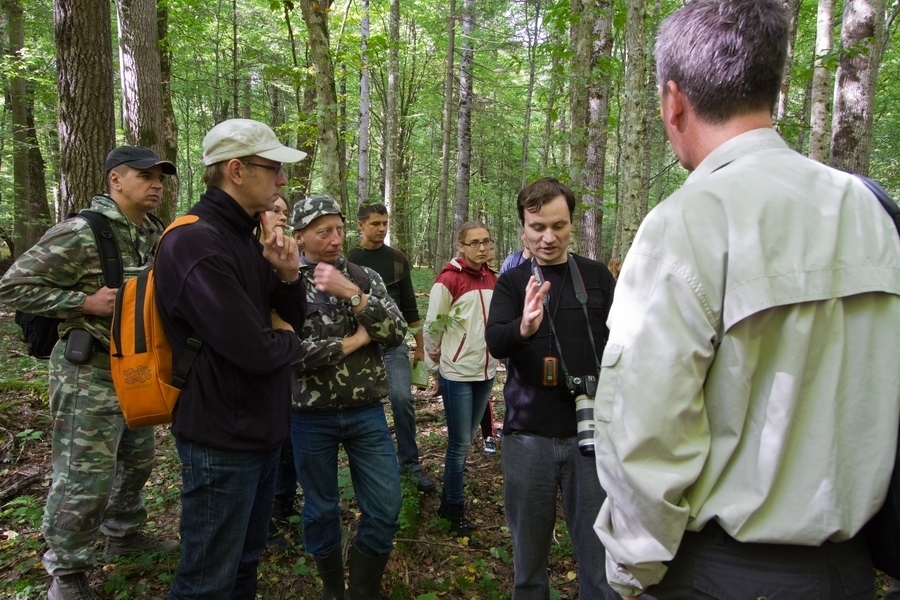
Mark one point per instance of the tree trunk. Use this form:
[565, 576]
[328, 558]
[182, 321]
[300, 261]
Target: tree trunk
[305, 101]
[31, 215]
[533, 41]
[818, 123]
[578, 103]
[143, 117]
[854, 86]
[793, 9]
[464, 117]
[364, 107]
[315, 16]
[169, 134]
[600, 15]
[86, 110]
[634, 123]
[441, 251]
[391, 124]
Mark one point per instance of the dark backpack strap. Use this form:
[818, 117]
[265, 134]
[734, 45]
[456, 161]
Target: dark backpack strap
[107, 246]
[889, 205]
[359, 277]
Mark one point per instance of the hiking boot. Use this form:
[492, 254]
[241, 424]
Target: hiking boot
[71, 587]
[138, 543]
[423, 482]
[460, 526]
[490, 446]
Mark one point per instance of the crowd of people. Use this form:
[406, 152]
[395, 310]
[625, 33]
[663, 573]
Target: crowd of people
[717, 413]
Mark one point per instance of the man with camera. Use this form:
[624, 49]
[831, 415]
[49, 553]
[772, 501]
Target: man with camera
[548, 318]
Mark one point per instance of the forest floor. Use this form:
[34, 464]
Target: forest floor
[427, 562]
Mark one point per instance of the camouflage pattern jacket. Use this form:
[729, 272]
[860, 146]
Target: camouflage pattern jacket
[54, 277]
[325, 379]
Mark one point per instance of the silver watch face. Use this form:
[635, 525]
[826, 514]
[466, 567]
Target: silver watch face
[355, 299]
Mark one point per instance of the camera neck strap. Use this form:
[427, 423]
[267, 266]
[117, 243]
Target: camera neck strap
[580, 294]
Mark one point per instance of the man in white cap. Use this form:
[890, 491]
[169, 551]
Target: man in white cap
[216, 282]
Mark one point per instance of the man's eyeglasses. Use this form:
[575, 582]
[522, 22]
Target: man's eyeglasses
[474, 244]
[277, 169]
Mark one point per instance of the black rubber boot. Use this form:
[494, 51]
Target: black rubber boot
[460, 526]
[331, 570]
[365, 575]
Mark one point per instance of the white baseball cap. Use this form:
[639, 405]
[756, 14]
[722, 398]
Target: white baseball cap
[235, 138]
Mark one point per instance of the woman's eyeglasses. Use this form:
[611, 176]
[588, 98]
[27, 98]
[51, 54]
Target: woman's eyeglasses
[474, 244]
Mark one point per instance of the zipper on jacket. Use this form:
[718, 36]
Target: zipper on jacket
[459, 348]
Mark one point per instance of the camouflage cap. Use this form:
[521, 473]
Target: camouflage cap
[309, 209]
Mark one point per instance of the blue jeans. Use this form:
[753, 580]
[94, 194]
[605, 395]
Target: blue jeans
[399, 376]
[464, 404]
[366, 438]
[535, 468]
[226, 504]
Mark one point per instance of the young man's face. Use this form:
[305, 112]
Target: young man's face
[373, 230]
[547, 232]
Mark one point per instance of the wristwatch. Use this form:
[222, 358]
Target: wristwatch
[355, 299]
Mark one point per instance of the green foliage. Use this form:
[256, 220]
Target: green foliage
[442, 322]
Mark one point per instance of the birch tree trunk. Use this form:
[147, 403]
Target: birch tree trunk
[143, 117]
[634, 124]
[441, 251]
[391, 124]
[821, 90]
[464, 117]
[362, 189]
[854, 86]
[86, 115]
[315, 16]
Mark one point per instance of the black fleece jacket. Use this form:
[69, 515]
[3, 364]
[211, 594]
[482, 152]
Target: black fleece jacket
[212, 280]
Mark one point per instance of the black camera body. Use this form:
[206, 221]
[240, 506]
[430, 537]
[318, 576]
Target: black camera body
[583, 385]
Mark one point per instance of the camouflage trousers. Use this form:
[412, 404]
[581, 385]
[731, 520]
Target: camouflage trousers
[99, 465]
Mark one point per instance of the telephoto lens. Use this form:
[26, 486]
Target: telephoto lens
[584, 415]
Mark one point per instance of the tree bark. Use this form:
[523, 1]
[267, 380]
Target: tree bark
[464, 117]
[793, 9]
[818, 123]
[391, 121]
[364, 107]
[143, 116]
[441, 250]
[31, 215]
[634, 124]
[600, 15]
[315, 16]
[854, 86]
[86, 110]
[580, 34]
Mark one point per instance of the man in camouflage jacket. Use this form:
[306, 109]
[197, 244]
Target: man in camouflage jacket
[99, 465]
[340, 380]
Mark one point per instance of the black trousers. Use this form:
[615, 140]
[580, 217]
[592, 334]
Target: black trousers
[713, 565]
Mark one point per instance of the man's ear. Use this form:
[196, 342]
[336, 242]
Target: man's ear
[675, 105]
[113, 180]
[233, 171]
